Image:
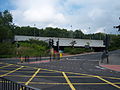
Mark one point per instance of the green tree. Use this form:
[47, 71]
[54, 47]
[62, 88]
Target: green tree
[114, 42]
[6, 26]
[78, 34]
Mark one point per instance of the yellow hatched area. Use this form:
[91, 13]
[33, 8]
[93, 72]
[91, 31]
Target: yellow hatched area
[35, 73]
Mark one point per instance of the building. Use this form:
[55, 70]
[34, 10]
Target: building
[97, 45]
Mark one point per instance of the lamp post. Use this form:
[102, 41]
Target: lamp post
[34, 30]
[90, 33]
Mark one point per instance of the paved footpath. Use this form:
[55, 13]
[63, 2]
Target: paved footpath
[114, 61]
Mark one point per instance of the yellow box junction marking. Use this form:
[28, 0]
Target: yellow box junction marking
[32, 77]
[11, 71]
[68, 81]
[108, 82]
[67, 72]
[70, 84]
[6, 66]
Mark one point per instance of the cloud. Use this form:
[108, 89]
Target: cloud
[102, 29]
[38, 11]
[81, 14]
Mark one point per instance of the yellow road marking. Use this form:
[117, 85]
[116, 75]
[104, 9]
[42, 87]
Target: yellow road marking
[67, 72]
[68, 81]
[110, 77]
[6, 66]
[11, 72]
[79, 74]
[32, 77]
[52, 76]
[26, 71]
[108, 82]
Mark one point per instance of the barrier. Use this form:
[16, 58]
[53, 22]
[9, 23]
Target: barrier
[11, 85]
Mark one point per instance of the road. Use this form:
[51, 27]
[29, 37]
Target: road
[81, 72]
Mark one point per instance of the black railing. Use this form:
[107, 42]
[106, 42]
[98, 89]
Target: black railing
[11, 85]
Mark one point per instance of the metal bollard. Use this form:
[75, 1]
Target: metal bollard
[40, 57]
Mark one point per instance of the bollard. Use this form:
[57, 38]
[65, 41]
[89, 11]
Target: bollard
[36, 59]
[54, 56]
[58, 55]
[61, 55]
[40, 57]
[21, 59]
[50, 57]
[28, 59]
[25, 58]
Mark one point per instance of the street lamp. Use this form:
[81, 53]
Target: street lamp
[90, 33]
[34, 30]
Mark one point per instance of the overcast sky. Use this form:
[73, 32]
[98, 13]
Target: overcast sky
[90, 16]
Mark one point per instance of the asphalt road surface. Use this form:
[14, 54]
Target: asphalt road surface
[81, 72]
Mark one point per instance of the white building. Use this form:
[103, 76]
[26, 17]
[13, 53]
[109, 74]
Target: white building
[65, 42]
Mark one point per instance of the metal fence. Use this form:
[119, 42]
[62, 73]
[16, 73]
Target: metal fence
[11, 85]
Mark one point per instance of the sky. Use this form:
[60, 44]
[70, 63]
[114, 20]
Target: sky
[91, 16]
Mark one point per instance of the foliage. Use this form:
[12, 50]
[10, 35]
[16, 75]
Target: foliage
[6, 26]
[7, 49]
[42, 43]
[35, 47]
[114, 42]
[32, 48]
[78, 34]
[76, 50]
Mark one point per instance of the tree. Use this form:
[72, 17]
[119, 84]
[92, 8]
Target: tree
[6, 18]
[73, 43]
[78, 34]
[114, 42]
[6, 26]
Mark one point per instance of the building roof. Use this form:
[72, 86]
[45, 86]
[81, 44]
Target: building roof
[64, 41]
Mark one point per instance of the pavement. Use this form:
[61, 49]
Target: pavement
[114, 61]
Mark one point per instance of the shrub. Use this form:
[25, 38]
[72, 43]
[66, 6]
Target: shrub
[34, 48]
[76, 50]
[7, 49]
